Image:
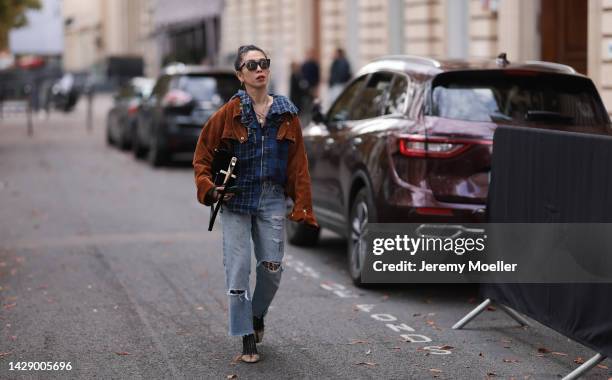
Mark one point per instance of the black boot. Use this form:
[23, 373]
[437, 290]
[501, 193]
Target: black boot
[249, 349]
[258, 326]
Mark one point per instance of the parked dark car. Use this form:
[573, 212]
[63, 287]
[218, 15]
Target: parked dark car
[409, 140]
[183, 99]
[122, 117]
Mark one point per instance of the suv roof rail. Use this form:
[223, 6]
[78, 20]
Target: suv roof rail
[411, 59]
[552, 65]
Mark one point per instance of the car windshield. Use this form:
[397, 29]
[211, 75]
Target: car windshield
[206, 87]
[517, 97]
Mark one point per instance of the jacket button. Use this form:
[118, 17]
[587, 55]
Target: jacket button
[242, 138]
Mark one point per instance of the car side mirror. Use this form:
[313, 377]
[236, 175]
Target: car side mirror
[317, 115]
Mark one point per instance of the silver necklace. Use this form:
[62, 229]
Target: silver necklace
[262, 116]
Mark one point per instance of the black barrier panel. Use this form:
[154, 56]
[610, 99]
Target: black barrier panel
[541, 176]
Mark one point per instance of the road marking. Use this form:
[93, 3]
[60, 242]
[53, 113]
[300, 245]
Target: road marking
[342, 292]
[339, 290]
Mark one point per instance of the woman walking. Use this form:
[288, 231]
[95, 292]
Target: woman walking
[264, 132]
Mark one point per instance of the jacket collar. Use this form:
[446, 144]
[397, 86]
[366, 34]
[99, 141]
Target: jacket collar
[243, 106]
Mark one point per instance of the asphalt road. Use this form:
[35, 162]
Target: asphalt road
[106, 263]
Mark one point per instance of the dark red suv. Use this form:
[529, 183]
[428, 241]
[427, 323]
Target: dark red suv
[409, 140]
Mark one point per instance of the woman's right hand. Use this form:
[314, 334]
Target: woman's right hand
[217, 194]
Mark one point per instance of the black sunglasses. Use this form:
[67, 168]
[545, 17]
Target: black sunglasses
[251, 64]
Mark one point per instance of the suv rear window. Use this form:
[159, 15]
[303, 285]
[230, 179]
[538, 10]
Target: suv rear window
[204, 87]
[517, 97]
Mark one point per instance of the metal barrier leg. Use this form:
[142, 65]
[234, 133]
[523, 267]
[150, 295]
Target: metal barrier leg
[472, 314]
[514, 315]
[592, 362]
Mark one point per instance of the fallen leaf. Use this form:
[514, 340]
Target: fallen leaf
[602, 366]
[543, 350]
[122, 353]
[579, 360]
[396, 348]
[491, 374]
[4, 354]
[10, 306]
[232, 376]
[356, 341]
[447, 347]
[559, 353]
[367, 364]
[368, 352]
[435, 370]
[491, 308]
[510, 361]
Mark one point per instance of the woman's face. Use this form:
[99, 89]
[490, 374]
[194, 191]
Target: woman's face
[257, 78]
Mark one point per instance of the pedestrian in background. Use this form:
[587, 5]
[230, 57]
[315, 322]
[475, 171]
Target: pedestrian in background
[339, 74]
[311, 74]
[265, 134]
[297, 86]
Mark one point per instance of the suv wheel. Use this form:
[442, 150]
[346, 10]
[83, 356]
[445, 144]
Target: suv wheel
[362, 213]
[301, 235]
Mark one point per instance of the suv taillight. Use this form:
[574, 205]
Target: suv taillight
[435, 147]
[176, 98]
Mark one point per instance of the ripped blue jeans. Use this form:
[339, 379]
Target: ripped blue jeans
[267, 231]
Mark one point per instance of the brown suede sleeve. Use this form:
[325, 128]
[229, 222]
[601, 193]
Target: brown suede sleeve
[209, 139]
[298, 178]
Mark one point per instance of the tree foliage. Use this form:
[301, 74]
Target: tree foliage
[13, 15]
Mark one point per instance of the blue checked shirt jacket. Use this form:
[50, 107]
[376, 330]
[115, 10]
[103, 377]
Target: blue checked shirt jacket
[262, 158]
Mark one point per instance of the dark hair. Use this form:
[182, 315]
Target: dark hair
[242, 50]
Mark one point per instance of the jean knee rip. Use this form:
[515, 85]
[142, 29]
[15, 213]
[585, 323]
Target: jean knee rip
[278, 221]
[240, 293]
[271, 266]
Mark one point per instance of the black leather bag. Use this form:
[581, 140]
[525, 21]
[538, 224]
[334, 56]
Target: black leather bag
[224, 161]
[221, 161]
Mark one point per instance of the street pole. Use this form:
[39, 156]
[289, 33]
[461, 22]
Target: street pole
[89, 109]
[28, 93]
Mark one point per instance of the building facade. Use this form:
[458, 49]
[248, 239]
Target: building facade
[97, 29]
[574, 32]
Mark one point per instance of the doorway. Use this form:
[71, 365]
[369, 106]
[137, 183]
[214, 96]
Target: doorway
[564, 32]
